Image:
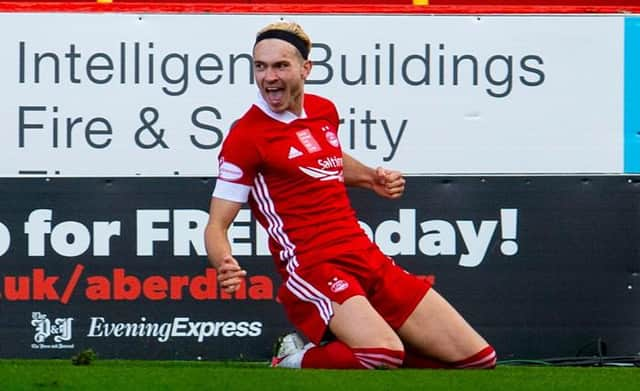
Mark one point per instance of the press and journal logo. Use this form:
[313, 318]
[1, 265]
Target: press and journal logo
[51, 333]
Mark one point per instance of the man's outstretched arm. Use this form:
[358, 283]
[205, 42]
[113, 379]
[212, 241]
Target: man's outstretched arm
[385, 183]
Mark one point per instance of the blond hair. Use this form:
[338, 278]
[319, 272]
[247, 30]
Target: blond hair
[291, 27]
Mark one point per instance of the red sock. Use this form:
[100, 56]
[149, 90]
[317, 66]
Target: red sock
[414, 360]
[337, 355]
[486, 358]
[373, 358]
[334, 355]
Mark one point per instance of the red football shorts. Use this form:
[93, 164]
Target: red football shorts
[307, 293]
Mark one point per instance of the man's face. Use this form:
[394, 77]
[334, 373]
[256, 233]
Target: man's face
[280, 73]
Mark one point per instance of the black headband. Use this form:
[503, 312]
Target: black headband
[285, 36]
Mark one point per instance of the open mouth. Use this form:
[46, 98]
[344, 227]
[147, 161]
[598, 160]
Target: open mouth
[274, 95]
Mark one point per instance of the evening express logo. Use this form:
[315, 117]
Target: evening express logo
[179, 327]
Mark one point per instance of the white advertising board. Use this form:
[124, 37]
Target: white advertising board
[154, 94]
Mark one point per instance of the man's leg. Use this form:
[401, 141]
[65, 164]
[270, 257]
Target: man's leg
[363, 341]
[436, 335]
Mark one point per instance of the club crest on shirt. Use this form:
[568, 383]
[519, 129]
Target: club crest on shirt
[337, 285]
[332, 138]
[308, 142]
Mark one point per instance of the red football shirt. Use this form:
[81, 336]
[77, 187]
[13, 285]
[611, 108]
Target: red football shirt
[290, 170]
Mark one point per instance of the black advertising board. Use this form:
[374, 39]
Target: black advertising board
[542, 266]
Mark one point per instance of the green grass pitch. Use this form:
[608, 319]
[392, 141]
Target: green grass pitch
[125, 375]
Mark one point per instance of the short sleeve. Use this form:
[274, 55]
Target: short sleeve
[238, 164]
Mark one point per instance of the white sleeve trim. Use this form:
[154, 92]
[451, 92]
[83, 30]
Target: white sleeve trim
[231, 191]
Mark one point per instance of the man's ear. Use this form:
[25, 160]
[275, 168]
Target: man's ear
[306, 69]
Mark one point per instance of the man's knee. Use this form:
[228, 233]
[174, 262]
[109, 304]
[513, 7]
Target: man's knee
[390, 342]
[356, 323]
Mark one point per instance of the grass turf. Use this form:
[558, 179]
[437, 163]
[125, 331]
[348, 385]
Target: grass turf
[125, 375]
